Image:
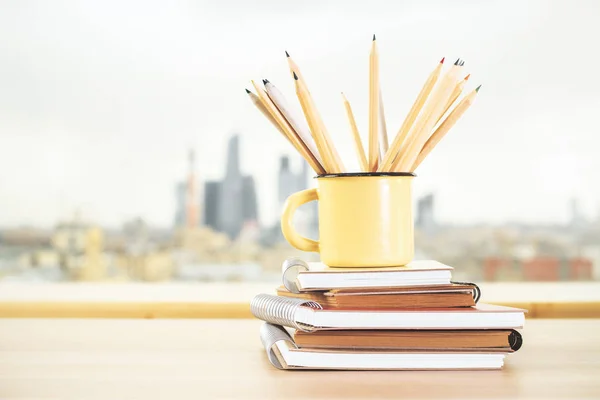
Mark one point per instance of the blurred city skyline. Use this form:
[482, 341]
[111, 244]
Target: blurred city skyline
[101, 102]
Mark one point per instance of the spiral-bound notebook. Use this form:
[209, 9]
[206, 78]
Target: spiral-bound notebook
[440, 296]
[283, 353]
[308, 316]
[318, 276]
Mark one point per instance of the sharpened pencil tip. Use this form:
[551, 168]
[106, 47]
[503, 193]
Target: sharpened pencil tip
[247, 91]
[295, 76]
[467, 77]
[287, 54]
[442, 60]
[462, 63]
[374, 37]
[457, 61]
[265, 81]
[478, 87]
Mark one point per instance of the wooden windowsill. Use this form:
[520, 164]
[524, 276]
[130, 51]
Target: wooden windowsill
[231, 300]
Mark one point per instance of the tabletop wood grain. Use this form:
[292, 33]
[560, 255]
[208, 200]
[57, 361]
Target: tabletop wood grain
[206, 359]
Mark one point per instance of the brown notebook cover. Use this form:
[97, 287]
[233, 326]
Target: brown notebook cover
[454, 295]
[505, 340]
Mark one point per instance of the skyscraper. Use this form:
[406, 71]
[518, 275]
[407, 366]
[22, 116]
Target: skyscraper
[425, 216]
[249, 205]
[187, 197]
[576, 218]
[231, 204]
[191, 201]
[212, 192]
[180, 198]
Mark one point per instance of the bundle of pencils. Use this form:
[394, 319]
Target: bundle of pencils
[436, 109]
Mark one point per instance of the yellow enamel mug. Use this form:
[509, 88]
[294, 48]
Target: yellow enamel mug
[365, 219]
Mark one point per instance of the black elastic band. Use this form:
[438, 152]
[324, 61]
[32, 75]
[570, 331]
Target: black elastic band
[476, 290]
[515, 340]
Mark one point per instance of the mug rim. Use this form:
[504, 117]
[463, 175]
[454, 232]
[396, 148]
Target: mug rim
[360, 174]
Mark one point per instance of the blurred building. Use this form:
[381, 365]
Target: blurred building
[192, 217]
[289, 182]
[151, 266]
[211, 204]
[25, 237]
[25, 247]
[80, 250]
[577, 219]
[425, 213]
[231, 204]
[537, 269]
[188, 197]
[228, 206]
[180, 190]
[144, 258]
[69, 238]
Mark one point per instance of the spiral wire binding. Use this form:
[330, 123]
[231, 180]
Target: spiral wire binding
[283, 310]
[290, 269]
[271, 334]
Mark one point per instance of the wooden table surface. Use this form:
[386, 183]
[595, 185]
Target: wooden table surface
[206, 359]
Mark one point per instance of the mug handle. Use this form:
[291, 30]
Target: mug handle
[290, 207]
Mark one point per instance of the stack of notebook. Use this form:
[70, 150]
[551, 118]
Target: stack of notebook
[410, 317]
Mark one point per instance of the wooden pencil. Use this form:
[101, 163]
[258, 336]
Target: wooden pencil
[298, 123]
[258, 104]
[294, 68]
[458, 89]
[313, 124]
[445, 126]
[424, 124]
[336, 164]
[402, 134]
[383, 137]
[358, 146]
[288, 131]
[373, 107]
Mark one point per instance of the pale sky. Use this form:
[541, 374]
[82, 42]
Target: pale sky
[100, 101]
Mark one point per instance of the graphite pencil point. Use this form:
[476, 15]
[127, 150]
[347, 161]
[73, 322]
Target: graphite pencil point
[295, 76]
